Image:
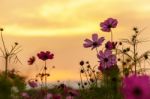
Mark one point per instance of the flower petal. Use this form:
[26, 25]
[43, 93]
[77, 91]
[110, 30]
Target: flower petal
[94, 37]
[100, 40]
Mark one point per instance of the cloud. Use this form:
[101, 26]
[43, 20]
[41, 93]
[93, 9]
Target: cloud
[38, 17]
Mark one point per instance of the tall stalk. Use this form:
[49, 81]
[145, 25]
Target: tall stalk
[5, 53]
[134, 40]
[111, 36]
[45, 68]
[134, 57]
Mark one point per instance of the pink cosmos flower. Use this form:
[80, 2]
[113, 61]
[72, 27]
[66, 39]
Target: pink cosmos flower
[108, 24]
[110, 45]
[45, 55]
[32, 84]
[69, 97]
[136, 87]
[31, 60]
[25, 95]
[95, 42]
[107, 59]
[48, 96]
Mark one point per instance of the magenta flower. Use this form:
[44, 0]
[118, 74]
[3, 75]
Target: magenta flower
[110, 45]
[95, 42]
[32, 84]
[48, 96]
[108, 24]
[136, 87]
[107, 59]
[31, 60]
[25, 95]
[45, 55]
[57, 96]
[69, 97]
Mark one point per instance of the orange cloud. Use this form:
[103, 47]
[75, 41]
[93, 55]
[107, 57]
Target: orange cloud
[38, 17]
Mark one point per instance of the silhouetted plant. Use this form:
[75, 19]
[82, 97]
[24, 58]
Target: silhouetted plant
[89, 75]
[130, 59]
[9, 54]
[43, 74]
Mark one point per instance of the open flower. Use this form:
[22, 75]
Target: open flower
[31, 60]
[45, 55]
[32, 84]
[95, 42]
[136, 87]
[108, 24]
[106, 59]
[110, 45]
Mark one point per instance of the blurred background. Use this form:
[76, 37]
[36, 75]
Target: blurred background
[61, 26]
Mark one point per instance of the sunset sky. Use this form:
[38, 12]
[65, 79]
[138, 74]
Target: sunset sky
[61, 26]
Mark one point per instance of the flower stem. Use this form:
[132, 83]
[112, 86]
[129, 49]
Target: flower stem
[81, 80]
[3, 43]
[134, 47]
[5, 55]
[96, 50]
[45, 68]
[111, 35]
[94, 75]
[6, 66]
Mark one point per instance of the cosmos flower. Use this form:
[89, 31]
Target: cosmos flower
[108, 24]
[25, 95]
[45, 55]
[48, 96]
[110, 45]
[31, 60]
[69, 97]
[95, 42]
[136, 87]
[106, 59]
[32, 84]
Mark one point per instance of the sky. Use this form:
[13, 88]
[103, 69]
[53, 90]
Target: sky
[61, 27]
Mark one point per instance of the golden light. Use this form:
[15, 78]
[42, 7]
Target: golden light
[57, 24]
